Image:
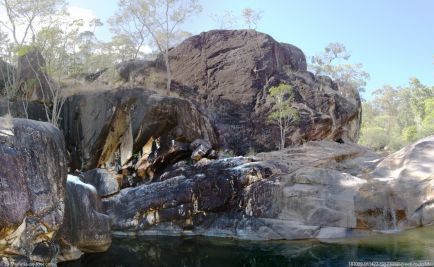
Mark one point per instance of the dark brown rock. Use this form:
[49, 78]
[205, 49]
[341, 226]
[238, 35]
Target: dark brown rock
[104, 181]
[32, 179]
[33, 81]
[24, 109]
[201, 149]
[230, 73]
[7, 74]
[108, 128]
[298, 193]
[189, 195]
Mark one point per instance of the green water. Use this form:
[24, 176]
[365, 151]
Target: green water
[410, 246]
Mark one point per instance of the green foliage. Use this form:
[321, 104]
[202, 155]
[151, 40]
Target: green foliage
[333, 62]
[282, 113]
[409, 133]
[397, 116]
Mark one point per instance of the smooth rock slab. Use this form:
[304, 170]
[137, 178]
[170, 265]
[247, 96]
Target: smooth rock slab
[85, 227]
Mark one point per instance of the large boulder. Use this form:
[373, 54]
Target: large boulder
[24, 109]
[32, 180]
[400, 193]
[106, 129]
[32, 78]
[105, 182]
[230, 72]
[85, 227]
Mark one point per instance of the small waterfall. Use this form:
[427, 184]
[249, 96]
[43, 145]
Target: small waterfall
[393, 214]
[389, 215]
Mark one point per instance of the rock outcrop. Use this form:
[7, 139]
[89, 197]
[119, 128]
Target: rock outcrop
[298, 193]
[318, 190]
[7, 73]
[32, 179]
[105, 182]
[32, 79]
[230, 72]
[400, 193]
[103, 129]
[85, 227]
[24, 109]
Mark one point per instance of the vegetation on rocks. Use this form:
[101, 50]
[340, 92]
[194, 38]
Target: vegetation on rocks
[397, 116]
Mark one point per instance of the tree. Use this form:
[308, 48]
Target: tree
[43, 35]
[24, 15]
[226, 20]
[397, 116]
[251, 18]
[157, 20]
[282, 114]
[333, 61]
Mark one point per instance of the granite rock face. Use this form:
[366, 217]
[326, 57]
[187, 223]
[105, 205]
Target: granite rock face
[23, 109]
[32, 180]
[298, 193]
[103, 129]
[319, 190]
[400, 193]
[104, 181]
[85, 227]
[33, 81]
[7, 73]
[230, 72]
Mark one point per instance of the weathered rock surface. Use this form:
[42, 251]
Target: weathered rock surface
[104, 181]
[230, 73]
[299, 193]
[85, 227]
[400, 193]
[32, 79]
[318, 190]
[107, 127]
[32, 178]
[7, 73]
[23, 109]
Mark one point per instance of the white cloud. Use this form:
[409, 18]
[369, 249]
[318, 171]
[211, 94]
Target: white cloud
[85, 14]
[146, 49]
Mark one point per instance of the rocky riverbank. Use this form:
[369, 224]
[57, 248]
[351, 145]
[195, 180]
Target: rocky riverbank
[131, 161]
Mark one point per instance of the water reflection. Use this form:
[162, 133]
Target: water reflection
[207, 252]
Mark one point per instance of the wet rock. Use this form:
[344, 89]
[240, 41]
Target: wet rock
[104, 181]
[32, 178]
[85, 227]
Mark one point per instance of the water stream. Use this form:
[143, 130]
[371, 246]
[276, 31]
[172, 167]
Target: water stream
[412, 245]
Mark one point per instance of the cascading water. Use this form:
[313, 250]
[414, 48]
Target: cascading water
[389, 215]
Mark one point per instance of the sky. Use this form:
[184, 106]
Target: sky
[393, 39]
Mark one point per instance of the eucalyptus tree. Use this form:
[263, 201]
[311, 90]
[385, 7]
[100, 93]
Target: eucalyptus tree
[157, 21]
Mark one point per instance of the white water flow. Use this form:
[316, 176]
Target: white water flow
[389, 216]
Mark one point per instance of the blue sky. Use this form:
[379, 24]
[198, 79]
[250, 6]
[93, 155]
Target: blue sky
[393, 39]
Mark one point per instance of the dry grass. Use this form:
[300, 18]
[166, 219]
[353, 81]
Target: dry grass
[6, 125]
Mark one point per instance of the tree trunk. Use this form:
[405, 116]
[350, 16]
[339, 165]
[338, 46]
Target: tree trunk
[168, 73]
